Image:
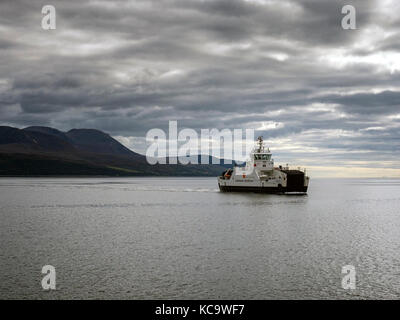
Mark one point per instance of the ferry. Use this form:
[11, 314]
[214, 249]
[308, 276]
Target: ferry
[259, 175]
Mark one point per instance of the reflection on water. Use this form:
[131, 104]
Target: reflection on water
[154, 238]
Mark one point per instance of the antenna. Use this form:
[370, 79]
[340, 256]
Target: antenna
[260, 143]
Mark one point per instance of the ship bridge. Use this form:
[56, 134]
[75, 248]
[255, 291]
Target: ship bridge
[261, 158]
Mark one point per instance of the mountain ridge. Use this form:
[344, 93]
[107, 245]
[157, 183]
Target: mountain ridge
[43, 151]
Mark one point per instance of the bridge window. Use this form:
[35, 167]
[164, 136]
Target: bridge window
[264, 157]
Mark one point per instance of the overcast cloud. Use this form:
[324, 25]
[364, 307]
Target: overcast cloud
[321, 96]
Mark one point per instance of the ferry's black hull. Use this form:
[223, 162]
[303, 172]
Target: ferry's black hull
[269, 190]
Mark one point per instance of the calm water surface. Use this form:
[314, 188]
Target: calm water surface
[167, 238]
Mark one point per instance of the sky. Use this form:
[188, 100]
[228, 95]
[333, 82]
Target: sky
[321, 96]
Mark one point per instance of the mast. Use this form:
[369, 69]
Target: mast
[260, 143]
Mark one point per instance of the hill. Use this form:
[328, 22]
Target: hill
[44, 151]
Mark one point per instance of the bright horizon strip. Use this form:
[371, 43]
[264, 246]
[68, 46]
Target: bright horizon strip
[326, 171]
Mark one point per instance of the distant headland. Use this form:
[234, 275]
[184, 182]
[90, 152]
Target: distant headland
[45, 151]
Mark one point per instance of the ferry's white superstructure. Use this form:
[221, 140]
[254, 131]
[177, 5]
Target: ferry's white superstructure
[260, 175]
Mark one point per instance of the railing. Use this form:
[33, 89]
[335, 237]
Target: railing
[288, 168]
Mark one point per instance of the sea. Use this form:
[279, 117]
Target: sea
[181, 238]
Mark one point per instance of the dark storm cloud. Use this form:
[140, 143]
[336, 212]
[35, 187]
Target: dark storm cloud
[6, 44]
[285, 68]
[385, 102]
